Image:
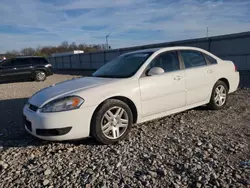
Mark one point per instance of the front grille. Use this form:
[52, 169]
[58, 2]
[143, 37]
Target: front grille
[33, 107]
[27, 124]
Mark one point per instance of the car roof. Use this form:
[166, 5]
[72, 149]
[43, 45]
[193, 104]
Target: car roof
[22, 57]
[152, 50]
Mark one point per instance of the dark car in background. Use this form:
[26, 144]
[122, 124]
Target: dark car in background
[36, 68]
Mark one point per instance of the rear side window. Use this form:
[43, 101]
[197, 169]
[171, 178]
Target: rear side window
[192, 58]
[167, 60]
[39, 61]
[210, 59]
[21, 61]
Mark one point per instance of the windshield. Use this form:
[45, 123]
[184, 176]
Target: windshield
[124, 66]
[2, 61]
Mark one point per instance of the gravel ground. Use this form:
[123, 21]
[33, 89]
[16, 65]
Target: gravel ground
[196, 148]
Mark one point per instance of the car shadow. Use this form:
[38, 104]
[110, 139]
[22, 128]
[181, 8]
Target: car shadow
[16, 81]
[12, 131]
[201, 108]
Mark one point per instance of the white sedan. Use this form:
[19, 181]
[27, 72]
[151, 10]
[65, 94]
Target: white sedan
[134, 88]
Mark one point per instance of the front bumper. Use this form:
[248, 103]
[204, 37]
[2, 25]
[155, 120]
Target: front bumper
[58, 126]
[49, 71]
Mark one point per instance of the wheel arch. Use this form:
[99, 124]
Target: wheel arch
[40, 69]
[226, 82]
[126, 100]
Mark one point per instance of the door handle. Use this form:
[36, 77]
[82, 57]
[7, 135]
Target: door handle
[14, 68]
[177, 78]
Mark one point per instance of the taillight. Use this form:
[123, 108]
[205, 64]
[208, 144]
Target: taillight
[235, 68]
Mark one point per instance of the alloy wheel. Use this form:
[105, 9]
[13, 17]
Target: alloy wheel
[220, 95]
[114, 122]
[40, 75]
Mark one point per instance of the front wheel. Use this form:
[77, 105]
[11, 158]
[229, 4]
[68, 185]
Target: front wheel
[112, 122]
[219, 96]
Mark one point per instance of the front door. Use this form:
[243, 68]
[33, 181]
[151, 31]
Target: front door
[165, 92]
[22, 66]
[7, 71]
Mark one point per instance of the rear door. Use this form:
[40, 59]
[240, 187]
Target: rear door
[198, 76]
[23, 67]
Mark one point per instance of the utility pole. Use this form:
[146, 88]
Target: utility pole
[207, 32]
[107, 42]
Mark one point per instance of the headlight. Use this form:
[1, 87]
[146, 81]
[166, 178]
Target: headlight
[63, 104]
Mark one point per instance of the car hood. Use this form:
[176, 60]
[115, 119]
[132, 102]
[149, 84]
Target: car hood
[66, 88]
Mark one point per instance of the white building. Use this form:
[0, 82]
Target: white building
[68, 53]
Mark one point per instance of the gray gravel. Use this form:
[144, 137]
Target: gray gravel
[196, 148]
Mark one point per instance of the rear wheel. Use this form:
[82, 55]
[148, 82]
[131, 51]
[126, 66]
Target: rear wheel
[219, 96]
[112, 122]
[40, 76]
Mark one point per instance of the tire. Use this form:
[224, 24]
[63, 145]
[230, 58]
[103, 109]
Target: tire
[220, 91]
[104, 128]
[40, 76]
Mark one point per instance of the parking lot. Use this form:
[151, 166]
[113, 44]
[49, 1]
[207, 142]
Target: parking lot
[191, 149]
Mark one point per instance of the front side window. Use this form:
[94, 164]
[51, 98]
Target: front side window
[124, 66]
[168, 61]
[192, 58]
[6, 63]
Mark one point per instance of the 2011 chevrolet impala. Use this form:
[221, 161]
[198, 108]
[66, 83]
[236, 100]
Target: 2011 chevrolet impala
[134, 88]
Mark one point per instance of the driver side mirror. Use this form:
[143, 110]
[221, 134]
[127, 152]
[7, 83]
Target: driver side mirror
[155, 71]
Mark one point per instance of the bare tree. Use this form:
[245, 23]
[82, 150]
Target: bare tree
[49, 50]
[28, 52]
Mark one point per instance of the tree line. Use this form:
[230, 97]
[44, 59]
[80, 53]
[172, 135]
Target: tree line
[47, 51]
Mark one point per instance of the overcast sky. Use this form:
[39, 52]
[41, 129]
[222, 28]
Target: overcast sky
[30, 23]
